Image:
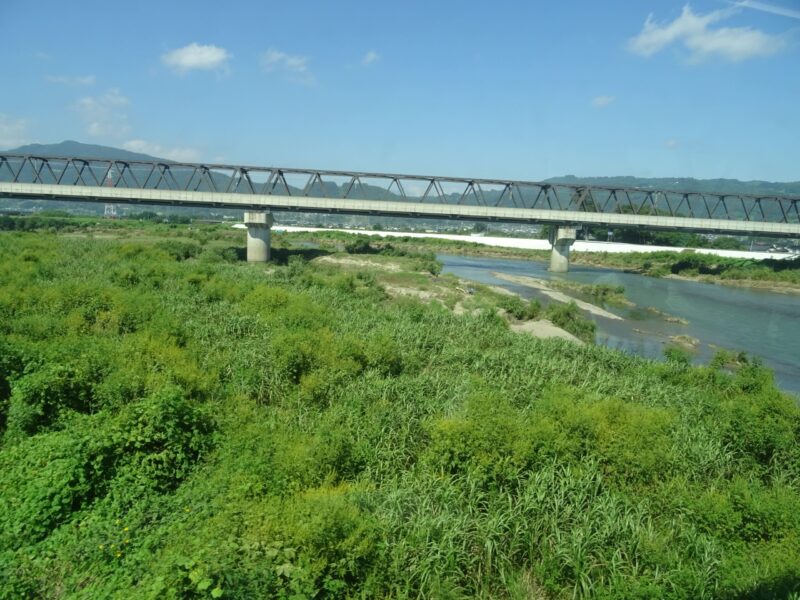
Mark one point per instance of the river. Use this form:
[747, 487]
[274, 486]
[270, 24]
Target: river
[763, 324]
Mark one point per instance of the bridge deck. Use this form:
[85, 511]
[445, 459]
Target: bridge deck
[388, 208]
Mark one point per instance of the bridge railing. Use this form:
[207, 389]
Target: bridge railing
[175, 176]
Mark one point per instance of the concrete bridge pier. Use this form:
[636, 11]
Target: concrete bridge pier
[561, 238]
[259, 226]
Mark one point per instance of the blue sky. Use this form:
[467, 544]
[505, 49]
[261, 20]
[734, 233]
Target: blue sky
[525, 90]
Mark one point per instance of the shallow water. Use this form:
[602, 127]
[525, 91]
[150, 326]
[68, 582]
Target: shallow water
[763, 324]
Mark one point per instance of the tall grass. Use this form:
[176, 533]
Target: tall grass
[178, 424]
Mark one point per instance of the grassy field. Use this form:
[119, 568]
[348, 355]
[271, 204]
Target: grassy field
[773, 274]
[178, 424]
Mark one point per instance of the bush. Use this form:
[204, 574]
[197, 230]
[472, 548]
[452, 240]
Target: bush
[569, 318]
[11, 366]
[43, 481]
[41, 398]
[159, 440]
[180, 250]
[434, 267]
[677, 355]
[520, 309]
[360, 245]
[488, 444]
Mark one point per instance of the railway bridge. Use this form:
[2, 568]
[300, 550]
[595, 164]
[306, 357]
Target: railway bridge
[259, 191]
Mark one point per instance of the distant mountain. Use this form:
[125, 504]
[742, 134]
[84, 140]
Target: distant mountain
[70, 148]
[80, 150]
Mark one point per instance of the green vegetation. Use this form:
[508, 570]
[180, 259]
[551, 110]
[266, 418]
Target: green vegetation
[704, 266]
[336, 239]
[783, 273]
[178, 424]
[653, 237]
[520, 309]
[53, 221]
[568, 317]
[601, 294]
[425, 260]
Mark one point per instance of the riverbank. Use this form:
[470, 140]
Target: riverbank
[773, 271]
[776, 287]
[658, 311]
[548, 291]
[400, 277]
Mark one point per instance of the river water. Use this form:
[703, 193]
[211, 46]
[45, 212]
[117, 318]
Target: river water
[763, 324]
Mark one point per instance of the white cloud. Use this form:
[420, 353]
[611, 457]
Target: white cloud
[602, 101]
[104, 115]
[175, 153]
[72, 80]
[769, 8]
[370, 57]
[653, 38]
[735, 44]
[13, 132]
[295, 66]
[672, 143]
[694, 32]
[197, 57]
[275, 59]
[111, 98]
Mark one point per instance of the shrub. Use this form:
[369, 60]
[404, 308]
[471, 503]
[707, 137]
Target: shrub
[11, 365]
[569, 318]
[40, 398]
[180, 250]
[434, 267]
[159, 439]
[678, 355]
[519, 308]
[360, 245]
[43, 481]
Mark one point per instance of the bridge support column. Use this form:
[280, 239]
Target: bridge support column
[561, 237]
[259, 226]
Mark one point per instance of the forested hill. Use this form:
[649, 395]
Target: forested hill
[730, 186]
[79, 150]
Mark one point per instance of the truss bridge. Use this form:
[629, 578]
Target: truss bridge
[261, 190]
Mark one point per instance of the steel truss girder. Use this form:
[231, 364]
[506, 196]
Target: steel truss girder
[136, 174]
